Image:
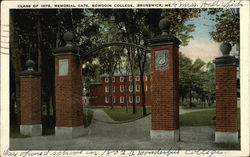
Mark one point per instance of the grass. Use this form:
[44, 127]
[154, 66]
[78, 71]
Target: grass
[197, 107]
[200, 118]
[120, 114]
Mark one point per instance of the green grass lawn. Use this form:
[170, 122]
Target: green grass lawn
[120, 114]
[197, 107]
[200, 118]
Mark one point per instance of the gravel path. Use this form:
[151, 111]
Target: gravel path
[127, 136]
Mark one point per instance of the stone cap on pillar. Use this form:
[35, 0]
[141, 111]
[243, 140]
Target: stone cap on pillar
[226, 59]
[29, 72]
[165, 38]
[69, 48]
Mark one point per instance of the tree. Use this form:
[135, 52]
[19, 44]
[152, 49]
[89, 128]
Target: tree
[227, 28]
[191, 78]
[38, 38]
[109, 59]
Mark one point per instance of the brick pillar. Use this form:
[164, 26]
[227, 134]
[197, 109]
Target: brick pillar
[226, 97]
[30, 83]
[68, 90]
[164, 72]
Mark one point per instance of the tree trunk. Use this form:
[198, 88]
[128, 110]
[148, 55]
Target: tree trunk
[111, 91]
[190, 99]
[144, 111]
[134, 103]
[16, 61]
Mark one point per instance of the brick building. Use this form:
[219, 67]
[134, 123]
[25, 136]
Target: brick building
[100, 93]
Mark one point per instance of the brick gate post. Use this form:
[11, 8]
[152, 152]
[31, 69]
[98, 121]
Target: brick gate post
[226, 96]
[30, 89]
[68, 90]
[164, 72]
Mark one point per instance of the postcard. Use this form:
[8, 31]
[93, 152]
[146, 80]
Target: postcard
[124, 78]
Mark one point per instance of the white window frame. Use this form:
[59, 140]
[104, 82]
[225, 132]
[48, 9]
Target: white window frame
[146, 78]
[137, 99]
[106, 79]
[130, 88]
[146, 88]
[106, 100]
[131, 99]
[121, 79]
[130, 78]
[106, 89]
[137, 78]
[137, 88]
[113, 79]
[121, 99]
[121, 88]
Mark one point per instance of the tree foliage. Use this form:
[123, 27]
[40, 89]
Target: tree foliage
[227, 28]
[197, 80]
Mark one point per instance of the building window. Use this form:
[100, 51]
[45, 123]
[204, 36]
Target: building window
[137, 99]
[146, 88]
[130, 99]
[121, 88]
[122, 99]
[146, 78]
[113, 79]
[113, 99]
[137, 88]
[106, 99]
[137, 78]
[106, 89]
[131, 88]
[106, 79]
[130, 78]
[113, 88]
[121, 79]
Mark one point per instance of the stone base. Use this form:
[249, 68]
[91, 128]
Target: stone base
[227, 137]
[70, 132]
[169, 136]
[31, 130]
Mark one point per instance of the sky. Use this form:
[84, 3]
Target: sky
[202, 45]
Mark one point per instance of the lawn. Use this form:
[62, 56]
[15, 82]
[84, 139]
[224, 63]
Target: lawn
[200, 118]
[120, 114]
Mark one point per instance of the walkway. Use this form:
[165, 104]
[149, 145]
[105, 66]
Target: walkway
[133, 136]
[183, 111]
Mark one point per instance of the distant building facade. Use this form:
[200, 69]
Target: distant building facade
[122, 88]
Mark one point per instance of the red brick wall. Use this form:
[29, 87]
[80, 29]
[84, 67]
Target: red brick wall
[226, 99]
[30, 100]
[165, 111]
[68, 90]
[98, 94]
